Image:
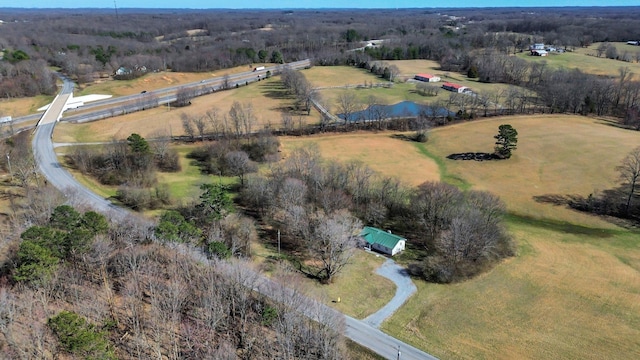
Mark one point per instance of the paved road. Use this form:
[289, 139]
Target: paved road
[404, 289]
[49, 166]
[359, 331]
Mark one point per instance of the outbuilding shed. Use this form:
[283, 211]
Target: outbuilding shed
[383, 241]
[455, 87]
[427, 78]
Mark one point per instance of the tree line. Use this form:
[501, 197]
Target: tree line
[90, 43]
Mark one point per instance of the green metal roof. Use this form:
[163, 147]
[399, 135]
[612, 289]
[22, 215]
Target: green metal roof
[376, 236]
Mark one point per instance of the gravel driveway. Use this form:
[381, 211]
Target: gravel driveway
[404, 289]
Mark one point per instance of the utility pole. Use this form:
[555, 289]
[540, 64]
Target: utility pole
[9, 163]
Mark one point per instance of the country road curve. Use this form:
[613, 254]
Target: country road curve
[358, 331]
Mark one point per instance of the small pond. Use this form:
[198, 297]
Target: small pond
[402, 109]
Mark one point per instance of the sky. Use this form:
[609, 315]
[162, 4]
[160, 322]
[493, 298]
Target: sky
[298, 4]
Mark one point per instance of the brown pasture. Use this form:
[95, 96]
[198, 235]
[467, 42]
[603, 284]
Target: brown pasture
[23, 106]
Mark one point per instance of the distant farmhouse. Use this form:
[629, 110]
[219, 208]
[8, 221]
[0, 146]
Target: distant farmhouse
[456, 88]
[427, 78]
[543, 50]
[383, 241]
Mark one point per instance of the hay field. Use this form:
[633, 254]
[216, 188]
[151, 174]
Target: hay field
[572, 291]
[266, 97]
[384, 154]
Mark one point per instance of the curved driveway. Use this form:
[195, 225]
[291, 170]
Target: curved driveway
[404, 289]
[361, 332]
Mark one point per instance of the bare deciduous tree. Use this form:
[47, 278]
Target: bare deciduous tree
[238, 164]
[630, 175]
[187, 125]
[242, 118]
[347, 105]
[332, 241]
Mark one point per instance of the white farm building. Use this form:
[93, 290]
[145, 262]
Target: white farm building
[383, 241]
[427, 78]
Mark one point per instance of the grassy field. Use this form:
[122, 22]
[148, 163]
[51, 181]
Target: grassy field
[401, 90]
[382, 152]
[572, 291]
[361, 291]
[26, 106]
[556, 155]
[23, 106]
[151, 81]
[565, 296]
[183, 186]
[586, 60]
[164, 120]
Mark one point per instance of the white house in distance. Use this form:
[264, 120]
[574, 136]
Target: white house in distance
[456, 88]
[383, 241]
[539, 53]
[427, 78]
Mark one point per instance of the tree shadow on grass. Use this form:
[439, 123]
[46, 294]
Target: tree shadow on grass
[476, 156]
[275, 90]
[404, 137]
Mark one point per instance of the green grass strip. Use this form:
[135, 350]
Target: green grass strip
[461, 183]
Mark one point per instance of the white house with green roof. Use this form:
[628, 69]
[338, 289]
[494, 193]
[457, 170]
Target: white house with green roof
[383, 241]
